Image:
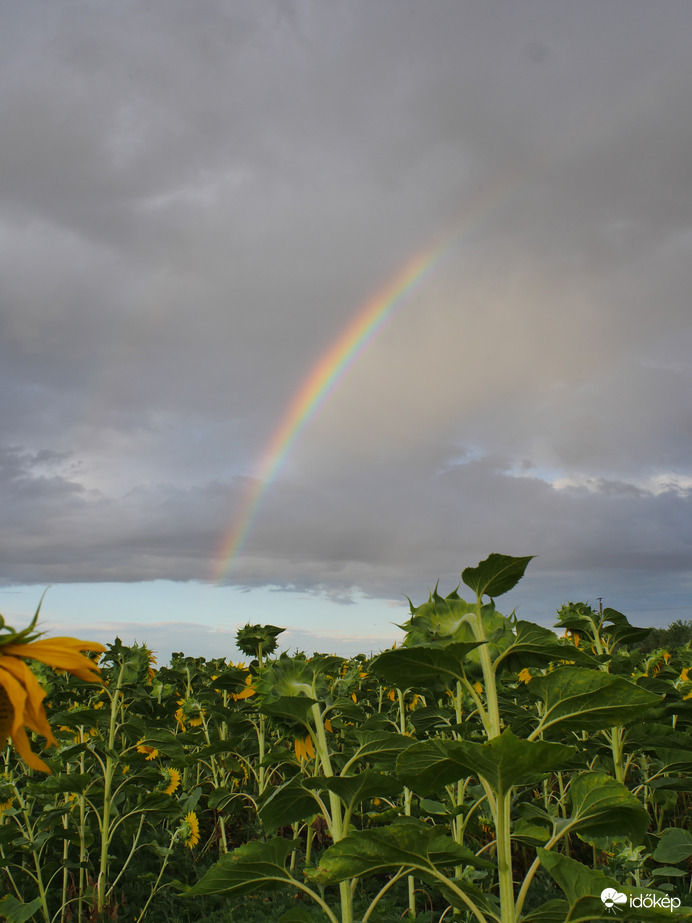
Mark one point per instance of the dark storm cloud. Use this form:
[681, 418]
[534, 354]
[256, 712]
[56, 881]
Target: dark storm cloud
[197, 198]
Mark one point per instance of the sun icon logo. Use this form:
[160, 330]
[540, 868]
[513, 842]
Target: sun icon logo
[611, 898]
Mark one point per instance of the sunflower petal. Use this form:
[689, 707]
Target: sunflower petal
[245, 694]
[38, 722]
[20, 742]
[62, 654]
[34, 715]
[23, 674]
[16, 693]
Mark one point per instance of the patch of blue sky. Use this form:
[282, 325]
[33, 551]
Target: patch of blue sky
[201, 619]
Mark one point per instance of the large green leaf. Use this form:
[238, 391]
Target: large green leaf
[15, 911]
[381, 748]
[532, 834]
[554, 911]
[675, 760]
[536, 647]
[252, 867]
[584, 886]
[405, 667]
[671, 784]
[621, 630]
[498, 574]
[221, 798]
[297, 799]
[74, 783]
[591, 909]
[409, 844]
[580, 699]
[410, 847]
[429, 719]
[286, 804]
[603, 807]
[503, 761]
[293, 708]
[675, 845]
[297, 915]
[354, 789]
[655, 738]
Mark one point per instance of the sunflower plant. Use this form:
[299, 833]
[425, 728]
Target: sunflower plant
[484, 794]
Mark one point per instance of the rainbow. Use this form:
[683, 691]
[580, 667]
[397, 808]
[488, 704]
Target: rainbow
[325, 375]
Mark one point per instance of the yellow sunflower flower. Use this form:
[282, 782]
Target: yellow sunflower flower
[486, 824]
[190, 711]
[172, 778]
[189, 830]
[198, 719]
[524, 675]
[21, 695]
[248, 691]
[151, 752]
[414, 701]
[151, 674]
[304, 748]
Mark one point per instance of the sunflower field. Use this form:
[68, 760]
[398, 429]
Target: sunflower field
[483, 769]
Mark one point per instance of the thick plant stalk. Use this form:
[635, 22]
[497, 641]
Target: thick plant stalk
[30, 836]
[407, 810]
[335, 810]
[65, 856]
[502, 799]
[82, 840]
[109, 771]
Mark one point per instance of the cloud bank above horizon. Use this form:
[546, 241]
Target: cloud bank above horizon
[195, 202]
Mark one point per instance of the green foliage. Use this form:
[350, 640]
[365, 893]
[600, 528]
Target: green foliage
[677, 634]
[503, 762]
[674, 846]
[480, 765]
[498, 574]
[576, 699]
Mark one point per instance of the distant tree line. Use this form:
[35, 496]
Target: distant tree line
[677, 634]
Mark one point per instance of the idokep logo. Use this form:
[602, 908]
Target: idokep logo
[611, 898]
[616, 900]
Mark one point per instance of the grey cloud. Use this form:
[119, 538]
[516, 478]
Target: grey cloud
[196, 203]
[336, 536]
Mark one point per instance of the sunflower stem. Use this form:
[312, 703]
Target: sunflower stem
[155, 886]
[107, 786]
[30, 837]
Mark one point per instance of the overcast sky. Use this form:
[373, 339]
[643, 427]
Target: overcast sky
[196, 198]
